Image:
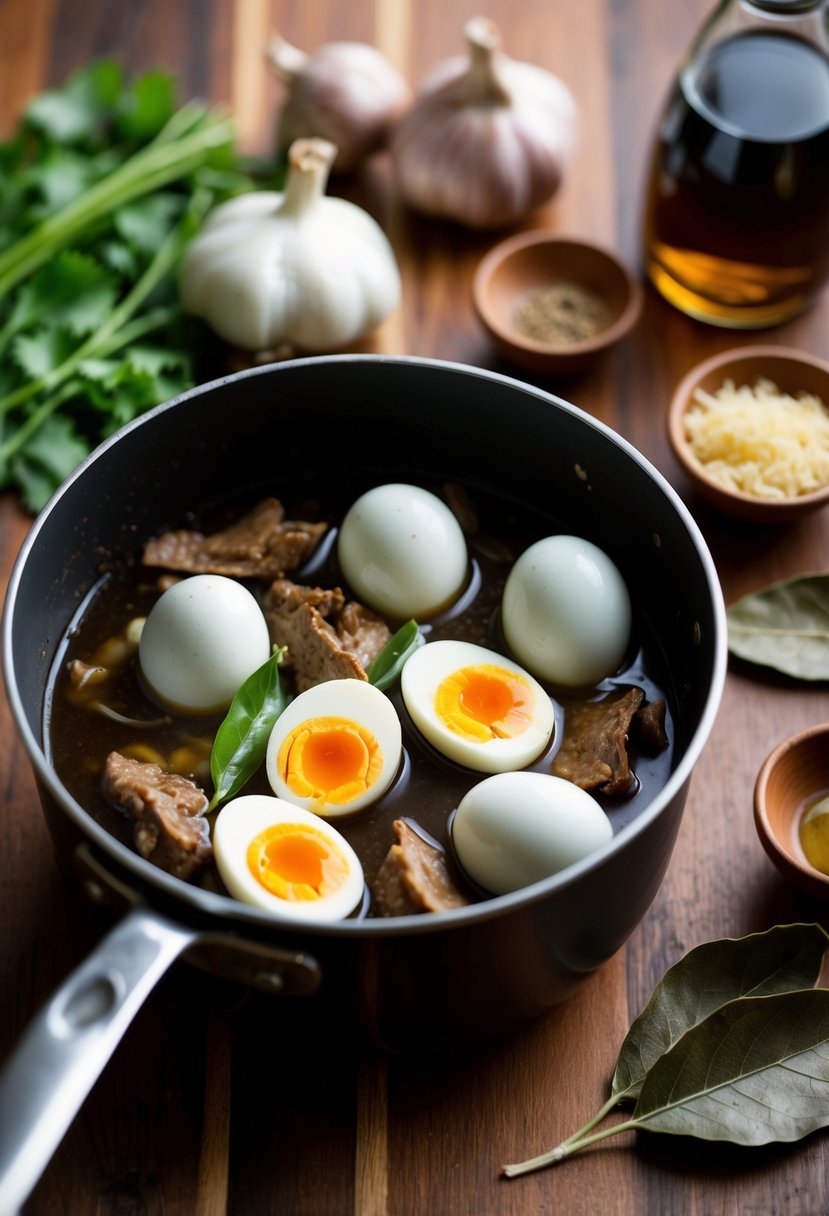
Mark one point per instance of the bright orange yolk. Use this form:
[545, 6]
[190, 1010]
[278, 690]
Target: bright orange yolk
[484, 702]
[330, 760]
[295, 862]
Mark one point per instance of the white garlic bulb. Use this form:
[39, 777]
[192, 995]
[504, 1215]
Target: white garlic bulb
[346, 92]
[488, 138]
[295, 269]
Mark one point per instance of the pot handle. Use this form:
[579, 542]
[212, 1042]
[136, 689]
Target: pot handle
[68, 1043]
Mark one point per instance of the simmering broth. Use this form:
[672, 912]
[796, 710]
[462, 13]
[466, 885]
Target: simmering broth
[428, 786]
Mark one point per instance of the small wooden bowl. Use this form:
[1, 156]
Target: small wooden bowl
[792, 372]
[520, 266]
[796, 771]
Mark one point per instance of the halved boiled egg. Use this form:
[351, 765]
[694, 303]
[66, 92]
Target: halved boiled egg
[515, 829]
[477, 707]
[286, 860]
[336, 748]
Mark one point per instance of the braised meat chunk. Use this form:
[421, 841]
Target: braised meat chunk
[262, 544]
[414, 877]
[594, 753]
[327, 638]
[166, 810]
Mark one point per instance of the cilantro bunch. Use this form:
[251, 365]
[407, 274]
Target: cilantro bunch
[101, 187]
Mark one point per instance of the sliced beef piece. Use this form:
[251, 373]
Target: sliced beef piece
[414, 877]
[593, 753]
[166, 810]
[327, 638]
[361, 631]
[262, 544]
[650, 727]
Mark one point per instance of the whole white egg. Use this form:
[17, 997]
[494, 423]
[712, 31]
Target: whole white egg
[515, 829]
[477, 707]
[282, 858]
[336, 748]
[202, 638]
[566, 611]
[402, 551]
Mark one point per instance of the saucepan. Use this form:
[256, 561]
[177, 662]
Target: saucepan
[427, 980]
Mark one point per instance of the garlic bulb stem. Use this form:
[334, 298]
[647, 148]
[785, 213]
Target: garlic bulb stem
[481, 85]
[286, 60]
[309, 163]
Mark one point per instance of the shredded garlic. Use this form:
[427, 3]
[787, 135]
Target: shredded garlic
[760, 440]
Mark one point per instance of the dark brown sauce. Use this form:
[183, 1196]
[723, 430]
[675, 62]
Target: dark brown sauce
[427, 787]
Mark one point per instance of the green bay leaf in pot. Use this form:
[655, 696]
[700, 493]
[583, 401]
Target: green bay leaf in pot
[784, 626]
[293, 269]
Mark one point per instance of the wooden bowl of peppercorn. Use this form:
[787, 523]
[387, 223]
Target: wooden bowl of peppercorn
[552, 304]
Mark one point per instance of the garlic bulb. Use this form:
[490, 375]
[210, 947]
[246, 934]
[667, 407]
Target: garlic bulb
[294, 268]
[487, 139]
[346, 92]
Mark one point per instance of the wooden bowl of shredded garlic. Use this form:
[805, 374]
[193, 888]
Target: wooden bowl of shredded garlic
[750, 427]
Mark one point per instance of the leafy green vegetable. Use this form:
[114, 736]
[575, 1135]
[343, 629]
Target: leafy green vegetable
[391, 660]
[785, 626]
[733, 1045]
[242, 739]
[101, 187]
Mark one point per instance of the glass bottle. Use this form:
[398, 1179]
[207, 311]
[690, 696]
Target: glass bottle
[736, 226]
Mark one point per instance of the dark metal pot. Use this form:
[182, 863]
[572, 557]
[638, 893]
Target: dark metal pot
[426, 980]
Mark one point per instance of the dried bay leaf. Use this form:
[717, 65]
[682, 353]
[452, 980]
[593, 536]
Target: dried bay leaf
[755, 1071]
[783, 958]
[784, 626]
[733, 1045]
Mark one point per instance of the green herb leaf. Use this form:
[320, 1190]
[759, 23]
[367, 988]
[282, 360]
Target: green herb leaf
[392, 658]
[786, 957]
[242, 739]
[48, 459]
[785, 626]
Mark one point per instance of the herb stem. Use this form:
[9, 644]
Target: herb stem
[126, 335]
[568, 1147]
[159, 163]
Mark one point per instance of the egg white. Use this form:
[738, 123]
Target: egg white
[242, 820]
[515, 829]
[402, 551]
[566, 611]
[357, 703]
[426, 671]
[202, 638]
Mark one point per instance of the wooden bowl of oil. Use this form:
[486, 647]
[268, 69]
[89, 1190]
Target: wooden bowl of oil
[552, 304]
[792, 784]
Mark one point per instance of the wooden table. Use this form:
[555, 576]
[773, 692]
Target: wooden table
[216, 1100]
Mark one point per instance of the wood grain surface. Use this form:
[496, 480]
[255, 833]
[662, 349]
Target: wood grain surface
[219, 1100]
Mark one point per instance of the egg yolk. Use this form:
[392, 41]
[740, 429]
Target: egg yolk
[484, 702]
[332, 760]
[296, 862]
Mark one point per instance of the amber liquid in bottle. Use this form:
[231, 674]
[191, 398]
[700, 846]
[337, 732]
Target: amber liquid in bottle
[737, 208]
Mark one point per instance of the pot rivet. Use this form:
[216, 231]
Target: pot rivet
[271, 981]
[95, 892]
